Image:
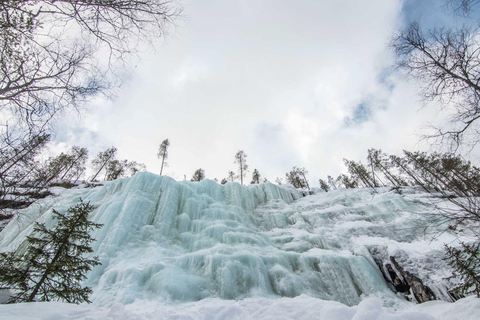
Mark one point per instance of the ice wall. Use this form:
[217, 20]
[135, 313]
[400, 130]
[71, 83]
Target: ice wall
[186, 241]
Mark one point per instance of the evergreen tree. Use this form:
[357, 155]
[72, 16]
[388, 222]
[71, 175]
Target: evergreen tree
[297, 177]
[199, 175]
[240, 159]
[231, 176]
[163, 153]
[102, 160]
[466, 264]
[54, 264]
[255, 177]
[332, 182]
[69, 166]
[133, 167]
[324, 185]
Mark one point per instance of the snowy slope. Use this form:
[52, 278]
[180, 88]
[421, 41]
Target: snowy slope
[193, 246]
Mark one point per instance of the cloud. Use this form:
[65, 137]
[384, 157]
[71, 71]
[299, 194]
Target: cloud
[277, 79]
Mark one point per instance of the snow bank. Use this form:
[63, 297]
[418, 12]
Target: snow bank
[301, 307]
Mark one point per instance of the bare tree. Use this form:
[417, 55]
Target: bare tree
[45, 66]
[48, 63]
[447, 63]
[463, 6]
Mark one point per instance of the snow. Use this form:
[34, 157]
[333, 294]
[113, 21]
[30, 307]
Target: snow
[200, 250]
[301, 307]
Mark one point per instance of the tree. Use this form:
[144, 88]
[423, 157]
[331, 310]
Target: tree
[358, 172]
[48, 63]
[163, 153]
[297, 177]
[133, 167]
[199, 175]
[231, 176]
[102, 160]
[466, 264]
[18, 166]
[241, 161]
[324, 185]
[45, 67]
[54, 264]
[447, 63]
[255, 177]
[224, 181]
[69, 165]
[332, 183]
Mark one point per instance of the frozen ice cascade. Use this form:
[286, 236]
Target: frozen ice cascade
[170, 241]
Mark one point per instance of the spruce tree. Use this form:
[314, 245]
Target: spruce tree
[241, 160]
[465, 262]
[199, 175]
[163, 153]
[54, 264]
[255, 177]
[324, 185]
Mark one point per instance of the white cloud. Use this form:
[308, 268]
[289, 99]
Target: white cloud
[274, 78]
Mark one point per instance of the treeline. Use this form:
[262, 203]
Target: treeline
[24, 177]
[296, 177]
[435, 172]
[454, 206]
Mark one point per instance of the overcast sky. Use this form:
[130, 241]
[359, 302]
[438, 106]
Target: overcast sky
[292, 83]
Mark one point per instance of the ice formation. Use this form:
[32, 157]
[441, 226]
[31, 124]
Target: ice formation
[175, 242]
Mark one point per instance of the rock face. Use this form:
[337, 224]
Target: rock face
[406, 282]
[402, 281]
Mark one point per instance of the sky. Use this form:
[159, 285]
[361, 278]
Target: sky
[304, 83]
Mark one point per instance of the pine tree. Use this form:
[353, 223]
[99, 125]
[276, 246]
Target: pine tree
[54, 264]
[324, 185]
[255, 177]
[298, 178]
[466, 264]
[199, 175]
[102, 160]
[163, 153]
[240, 159]
[231, 176]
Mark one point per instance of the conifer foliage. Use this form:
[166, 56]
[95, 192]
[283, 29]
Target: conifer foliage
[54, 264]
[466, 263]
[199, 175]
[448, 178]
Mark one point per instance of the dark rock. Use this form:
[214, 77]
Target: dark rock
[421, 292]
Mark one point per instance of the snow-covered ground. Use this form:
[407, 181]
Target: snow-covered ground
[200, 250]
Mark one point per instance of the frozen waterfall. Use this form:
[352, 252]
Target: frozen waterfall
[187, 241]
